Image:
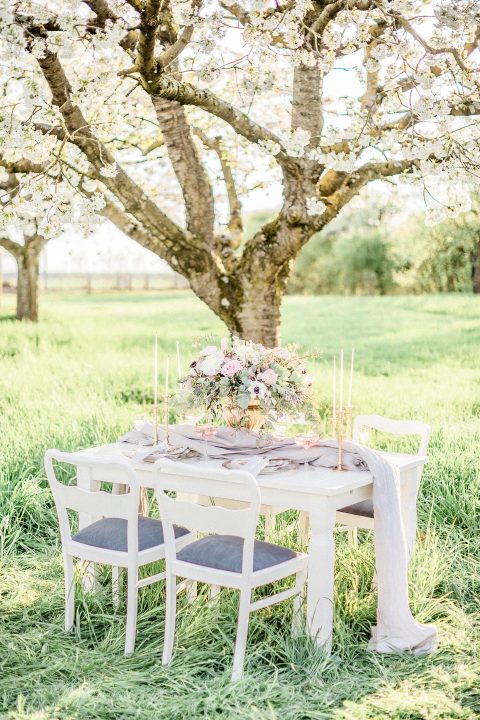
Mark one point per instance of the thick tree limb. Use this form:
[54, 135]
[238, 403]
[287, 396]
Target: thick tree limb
[149, 21]
[104, 13]
[307, 102]
[131, 195]
[13, 248]
[332, 9]
[235, 224]
[186, 94]
[24, 166]
[194, 182]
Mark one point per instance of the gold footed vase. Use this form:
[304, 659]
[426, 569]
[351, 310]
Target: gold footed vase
[252, 418]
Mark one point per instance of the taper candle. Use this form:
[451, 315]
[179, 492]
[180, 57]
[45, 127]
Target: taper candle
[166, 376]
[341, 380]
[350, 383]
[155, 371]
[179, 367]
[334, 399]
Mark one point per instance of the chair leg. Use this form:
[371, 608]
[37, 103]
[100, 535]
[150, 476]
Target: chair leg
[170, 616]
[69, 592]
[303, 527]
[242, 633]
[116, 585]
[297, 620]
[132, 609]
[353, 536]
[191, 591]
[270, 523]
[214, 591]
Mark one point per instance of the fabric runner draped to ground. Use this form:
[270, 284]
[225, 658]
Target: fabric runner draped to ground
[396, 629]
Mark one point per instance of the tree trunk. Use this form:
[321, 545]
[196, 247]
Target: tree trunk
[259, 314]
[27, 285]
[476, 268]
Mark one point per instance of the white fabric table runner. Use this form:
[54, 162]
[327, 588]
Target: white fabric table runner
[396, 629]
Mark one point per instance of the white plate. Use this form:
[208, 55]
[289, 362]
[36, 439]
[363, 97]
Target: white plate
[274, 465]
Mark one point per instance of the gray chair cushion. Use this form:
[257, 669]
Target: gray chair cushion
[363, 509]
[111, 534]
[224, 552]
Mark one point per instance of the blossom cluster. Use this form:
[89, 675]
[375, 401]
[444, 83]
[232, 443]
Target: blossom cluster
[238, 372]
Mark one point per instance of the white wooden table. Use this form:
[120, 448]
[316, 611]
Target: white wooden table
[318, 491]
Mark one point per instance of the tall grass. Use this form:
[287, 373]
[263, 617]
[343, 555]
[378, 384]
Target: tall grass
[81, 376]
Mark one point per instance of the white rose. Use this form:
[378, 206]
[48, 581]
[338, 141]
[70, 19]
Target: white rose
[209, 350]
[211, 364]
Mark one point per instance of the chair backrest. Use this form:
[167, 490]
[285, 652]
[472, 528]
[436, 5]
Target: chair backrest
[96, 503]
[215, 519]
[394, 427]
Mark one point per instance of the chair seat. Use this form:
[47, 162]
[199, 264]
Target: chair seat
[111, 534]
[224, 552]
[363, 509]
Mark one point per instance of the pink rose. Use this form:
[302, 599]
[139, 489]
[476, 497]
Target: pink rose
[268, 376]
[231, 367]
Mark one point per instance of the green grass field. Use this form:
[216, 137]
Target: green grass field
[81, 376]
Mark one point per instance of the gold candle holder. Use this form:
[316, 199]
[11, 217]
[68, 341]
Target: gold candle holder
[341, 420]
[339, 417]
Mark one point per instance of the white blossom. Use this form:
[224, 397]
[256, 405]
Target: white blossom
[109, 171]
[315, 206]
[270, 146]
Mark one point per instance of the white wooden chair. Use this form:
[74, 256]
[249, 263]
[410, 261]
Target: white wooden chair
[120, 537]
[229, 555]
[360, 515]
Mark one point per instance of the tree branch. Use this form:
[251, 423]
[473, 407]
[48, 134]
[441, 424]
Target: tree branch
[172, 52]
[131, 195]
[186, 94]
[187, 165]
[429, 48]
[13, 248]
[235, 224]
[145, 61]
[23, 166]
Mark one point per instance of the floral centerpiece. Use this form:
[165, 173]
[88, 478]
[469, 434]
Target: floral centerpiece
[246, 382]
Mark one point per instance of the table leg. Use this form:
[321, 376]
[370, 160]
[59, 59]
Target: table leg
[85, 481]
[321, 570]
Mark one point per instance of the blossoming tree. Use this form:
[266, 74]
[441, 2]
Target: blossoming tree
[26, 251]
[133, 105]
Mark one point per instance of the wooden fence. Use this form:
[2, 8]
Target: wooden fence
[101, 282]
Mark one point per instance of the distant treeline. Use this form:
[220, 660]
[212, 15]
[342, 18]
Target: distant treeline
[368, 251]
[413, 259]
